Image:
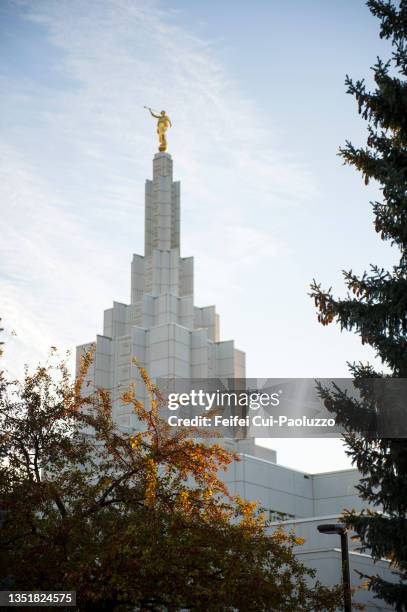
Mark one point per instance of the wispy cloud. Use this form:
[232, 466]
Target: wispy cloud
[78, 146]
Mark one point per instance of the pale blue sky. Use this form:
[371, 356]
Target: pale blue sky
[256, 94]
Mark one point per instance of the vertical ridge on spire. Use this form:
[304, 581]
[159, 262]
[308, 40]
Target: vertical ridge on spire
[162, 208]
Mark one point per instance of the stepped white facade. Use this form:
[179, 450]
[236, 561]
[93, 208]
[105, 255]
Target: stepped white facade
[161, 327]
[173, 338]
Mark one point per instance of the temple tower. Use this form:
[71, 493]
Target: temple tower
[161, 327]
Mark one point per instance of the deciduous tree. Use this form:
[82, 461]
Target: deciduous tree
[132, 520]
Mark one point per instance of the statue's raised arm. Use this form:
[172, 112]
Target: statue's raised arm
[152, 114]
[163, 123]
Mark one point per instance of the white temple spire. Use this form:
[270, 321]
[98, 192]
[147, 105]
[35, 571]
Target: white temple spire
[161, 327]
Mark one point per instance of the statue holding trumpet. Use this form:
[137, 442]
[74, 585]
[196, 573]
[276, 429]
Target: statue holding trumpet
[163, 124]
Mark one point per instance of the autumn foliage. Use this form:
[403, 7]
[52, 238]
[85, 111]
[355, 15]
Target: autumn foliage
[131, 521]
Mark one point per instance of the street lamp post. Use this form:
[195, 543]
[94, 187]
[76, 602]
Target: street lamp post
[341, 530]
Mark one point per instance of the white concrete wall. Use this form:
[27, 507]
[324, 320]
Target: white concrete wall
[297, 494]
[334, 491]
[322, 552]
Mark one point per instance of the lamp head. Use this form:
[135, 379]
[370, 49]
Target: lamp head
[332, 528]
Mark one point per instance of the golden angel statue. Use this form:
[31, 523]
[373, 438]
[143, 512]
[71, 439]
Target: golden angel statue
[163, 124]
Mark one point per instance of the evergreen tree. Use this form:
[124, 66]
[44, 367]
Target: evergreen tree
[376, 306]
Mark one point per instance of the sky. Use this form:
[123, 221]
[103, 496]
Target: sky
[259, 108]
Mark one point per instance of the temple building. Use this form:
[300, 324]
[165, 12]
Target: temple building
[173, 338]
